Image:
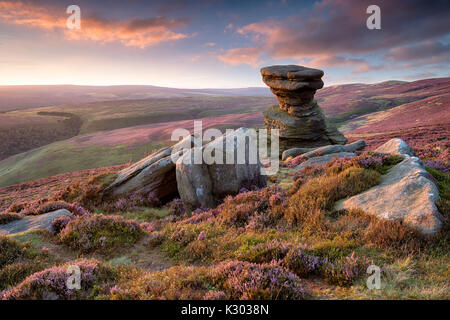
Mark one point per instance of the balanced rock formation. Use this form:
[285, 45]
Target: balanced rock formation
[204, 185]
[39, 222]
[298, 117]
[407, 193]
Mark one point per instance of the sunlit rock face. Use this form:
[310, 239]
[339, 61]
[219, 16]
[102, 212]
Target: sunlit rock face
[298, 117]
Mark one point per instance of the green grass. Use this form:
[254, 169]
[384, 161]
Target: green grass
[367, 107]
[61, 157]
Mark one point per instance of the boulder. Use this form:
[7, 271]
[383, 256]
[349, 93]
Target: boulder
[294, 152]
[153, 174]
[205, 184]
[38, 222]
[407, 193]
[311, 152]
[396, 146]
[352, 147]
[315, 161]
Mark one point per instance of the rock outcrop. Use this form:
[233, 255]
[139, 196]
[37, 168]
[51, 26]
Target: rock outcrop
[153, 174]
[298, 117]
[407, 193]
[315, 161]
[204, 185]
[310, 153]
[396, 146]
[38, 222]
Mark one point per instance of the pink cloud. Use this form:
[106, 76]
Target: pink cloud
[238, 56]
[333, 29]
[135, 33]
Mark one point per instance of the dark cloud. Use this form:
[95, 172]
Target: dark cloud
[430, 51]
[335, 28]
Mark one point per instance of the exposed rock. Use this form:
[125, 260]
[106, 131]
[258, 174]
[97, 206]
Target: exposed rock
[294, 86]
[407, 193]
[311, 152]
[315, 161]
[298, 116]
[352, 147]
[204, 185]
[396, 146]
[39, 222]
[294, 152]
[155, 173]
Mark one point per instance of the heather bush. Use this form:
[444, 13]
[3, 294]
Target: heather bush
[237, 211]
[176, 207]
[302, 263]
[385, 234]
[322, 192]
[51, 283]
[100, 233]
[175, 283]
[439, 165]
[7, 217]
[345, 271]
[263, 252]
[250, 281]
[60, 223]
[43, 206]
[16, 272]
[10, 250]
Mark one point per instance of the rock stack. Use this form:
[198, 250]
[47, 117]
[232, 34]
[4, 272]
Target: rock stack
[299, 118]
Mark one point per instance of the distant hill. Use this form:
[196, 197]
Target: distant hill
[347, 102]
[118, 131]
[23, 97]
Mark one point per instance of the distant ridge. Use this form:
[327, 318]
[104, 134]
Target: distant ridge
[33, 96]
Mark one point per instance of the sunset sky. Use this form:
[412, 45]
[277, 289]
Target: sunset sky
[220, 44]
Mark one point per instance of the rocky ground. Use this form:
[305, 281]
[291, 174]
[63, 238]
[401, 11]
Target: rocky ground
[284, 241]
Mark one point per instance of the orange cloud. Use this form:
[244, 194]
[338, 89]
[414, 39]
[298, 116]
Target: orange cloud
[135, 33]
[240, 56]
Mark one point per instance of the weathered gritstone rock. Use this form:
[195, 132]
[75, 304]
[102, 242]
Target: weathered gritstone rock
[155, 173]
[294, 87]
[310, 153]
[315, 161]
[397, 147]
[39, 222]
[204, 185]
[407, 193]
[299, 118]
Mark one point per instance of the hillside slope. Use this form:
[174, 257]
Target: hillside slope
[106, 148]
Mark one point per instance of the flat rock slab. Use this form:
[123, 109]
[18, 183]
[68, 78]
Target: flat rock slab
[312, 152]
[324, 159]
[407, 193]
[40, 222]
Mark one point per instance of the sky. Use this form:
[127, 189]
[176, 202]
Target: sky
[220, 44]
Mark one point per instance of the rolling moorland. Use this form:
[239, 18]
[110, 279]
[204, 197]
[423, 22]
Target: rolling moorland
[259, 244]
[44, 141]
